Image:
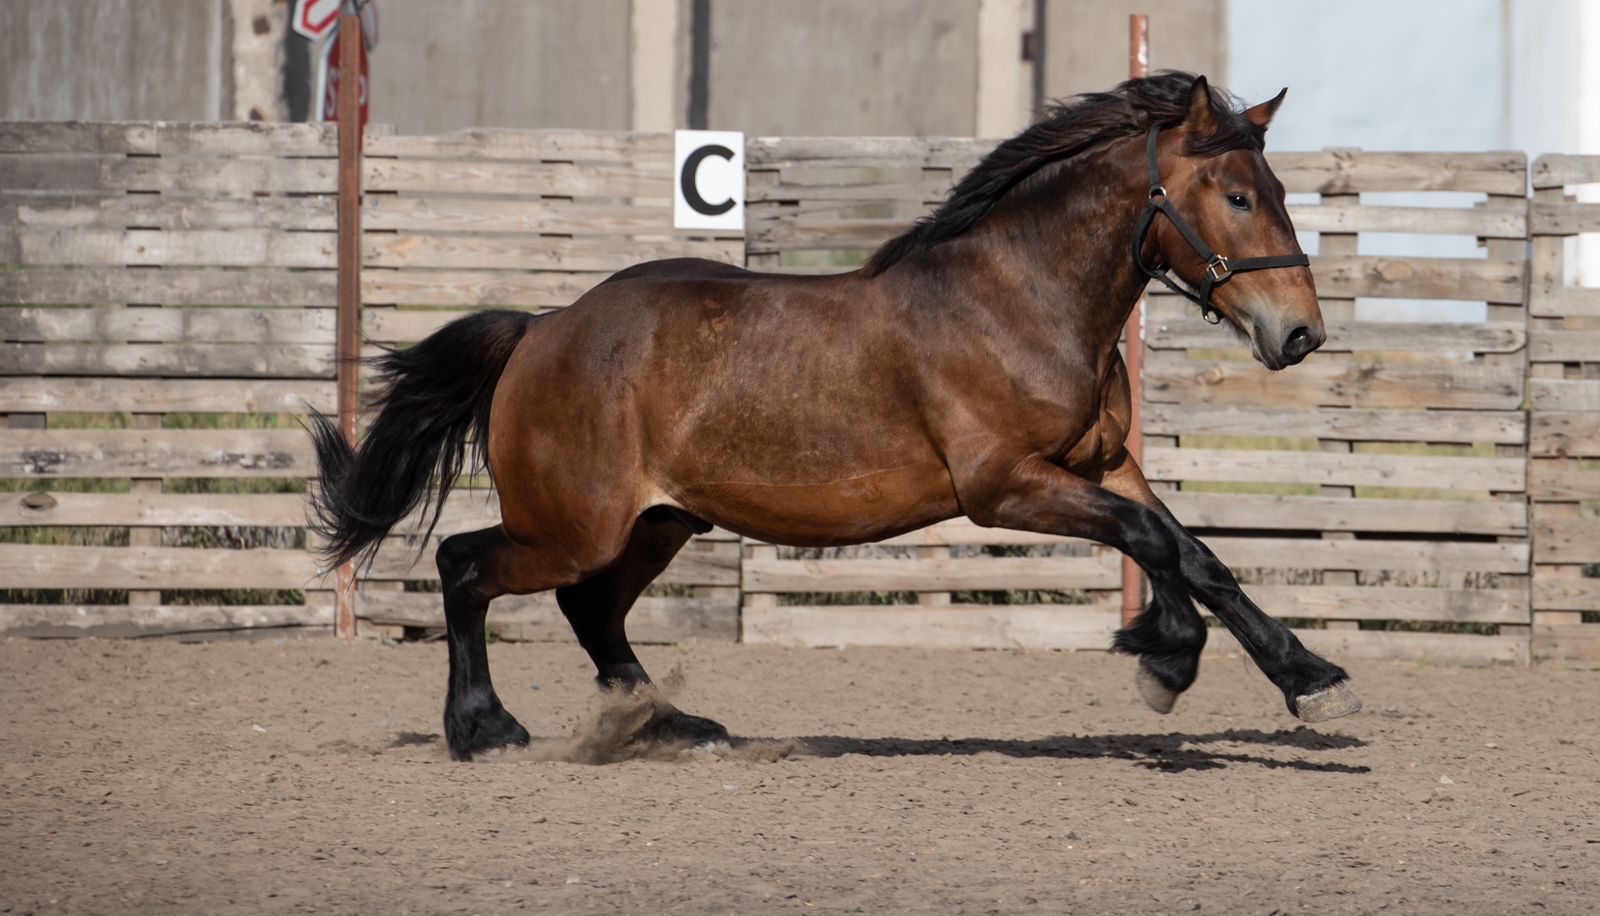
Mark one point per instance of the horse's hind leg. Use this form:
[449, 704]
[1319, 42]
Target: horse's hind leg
[1169, 635]
[475, 568]
[598, 606]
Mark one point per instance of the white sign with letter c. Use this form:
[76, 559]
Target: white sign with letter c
[708, 180]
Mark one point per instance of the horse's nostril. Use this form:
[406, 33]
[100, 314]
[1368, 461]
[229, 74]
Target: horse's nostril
[1299, 343]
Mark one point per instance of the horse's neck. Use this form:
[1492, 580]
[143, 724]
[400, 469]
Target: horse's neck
[1069, 240]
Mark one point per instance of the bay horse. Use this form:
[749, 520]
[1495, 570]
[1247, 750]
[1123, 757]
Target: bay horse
[970, 367]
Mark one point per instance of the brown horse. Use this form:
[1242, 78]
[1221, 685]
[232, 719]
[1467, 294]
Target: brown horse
[969, 368]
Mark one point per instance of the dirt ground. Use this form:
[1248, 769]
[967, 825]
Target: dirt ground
[307, 775]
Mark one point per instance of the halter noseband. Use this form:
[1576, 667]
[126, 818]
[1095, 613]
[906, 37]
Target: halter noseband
[1219, 269]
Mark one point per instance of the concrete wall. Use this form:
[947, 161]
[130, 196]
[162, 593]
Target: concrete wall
[844, 67]
[1086, 41]
[502, 63]
[113, 59]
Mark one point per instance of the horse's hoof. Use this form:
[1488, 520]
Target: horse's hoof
[1330, 703]
[1156, 695]
[486, 732]
[673, 726]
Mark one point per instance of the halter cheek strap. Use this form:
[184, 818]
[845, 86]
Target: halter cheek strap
[1219, 269]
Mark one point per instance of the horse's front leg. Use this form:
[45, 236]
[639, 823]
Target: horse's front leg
[1033, 494]
[1313, 688]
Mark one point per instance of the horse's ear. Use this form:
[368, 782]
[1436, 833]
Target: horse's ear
[1201, 118]
[1261, 115]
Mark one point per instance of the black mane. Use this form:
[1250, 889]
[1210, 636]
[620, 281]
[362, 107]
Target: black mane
[1067, 129]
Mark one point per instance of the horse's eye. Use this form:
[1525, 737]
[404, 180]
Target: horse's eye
[1238, 202]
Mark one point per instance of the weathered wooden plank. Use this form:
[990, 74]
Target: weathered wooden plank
[1564, 594]
[928, 189]
[1568, 217]
[214, 360]
[1352, 171]
[1335, 468]
[122, 620]
[1565, 434]
[37, 566]
[770, 153]
[460, 288]
[1484, 222]
[932, 574]
[1467, 426]
[1563, 302]
[1564, 394]
[1420, 556]
[537, 618]
[235, 176]
[1419, 278]
[1383, 602]
[1562, 479]
[712, 564]
[1368, 383]
[954, 627]
[1348, 336]
[156, 453]
[1563, 346]
[535, 253]
[160, 247]
[1563, 538]
[231, 138]
[168, 325]
[1567, 645]
[1389, 645]
[118, 210]
[42, 395]
[1338, 513]
[1554, 170]
[619, 147]
[453, 176]
[168, 286]
[286, 510]
[386, 213]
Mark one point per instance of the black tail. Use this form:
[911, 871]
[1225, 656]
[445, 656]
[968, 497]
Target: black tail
[435, 396]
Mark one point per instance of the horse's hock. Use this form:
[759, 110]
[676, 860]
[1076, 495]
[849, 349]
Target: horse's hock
[168, 295]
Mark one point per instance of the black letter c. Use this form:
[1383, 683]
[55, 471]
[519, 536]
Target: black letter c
[686, 180]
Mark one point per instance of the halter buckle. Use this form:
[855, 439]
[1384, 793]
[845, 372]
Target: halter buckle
[1218, 269]
[1157, 191]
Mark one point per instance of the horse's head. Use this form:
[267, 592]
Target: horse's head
[1235, 206]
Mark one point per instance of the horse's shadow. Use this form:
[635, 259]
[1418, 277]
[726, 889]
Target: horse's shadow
[1171, 753]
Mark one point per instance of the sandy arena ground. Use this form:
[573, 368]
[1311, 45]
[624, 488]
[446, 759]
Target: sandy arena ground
[305, 775]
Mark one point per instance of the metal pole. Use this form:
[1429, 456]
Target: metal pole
[1132, 581]
[348, 327]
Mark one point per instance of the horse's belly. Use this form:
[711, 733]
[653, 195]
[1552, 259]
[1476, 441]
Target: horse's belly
[854, 509]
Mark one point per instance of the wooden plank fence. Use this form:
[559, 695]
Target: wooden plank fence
[1564, 440]
[167, 293]
[166, 313]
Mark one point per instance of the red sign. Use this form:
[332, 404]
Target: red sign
[314, 18]
[330, 90]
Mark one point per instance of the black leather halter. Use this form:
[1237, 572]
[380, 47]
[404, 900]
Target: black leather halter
[1219, 269]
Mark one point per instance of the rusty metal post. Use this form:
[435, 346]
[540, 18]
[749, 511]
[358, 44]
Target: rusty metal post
[1132, 580]
[348, 327]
